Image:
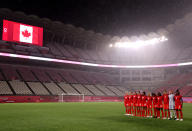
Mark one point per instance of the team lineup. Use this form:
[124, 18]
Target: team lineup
[166, 106]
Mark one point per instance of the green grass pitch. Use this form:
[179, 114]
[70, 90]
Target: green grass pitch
[83, 117]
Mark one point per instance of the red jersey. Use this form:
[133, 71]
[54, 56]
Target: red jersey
[139, 98]
[159, 100]
[154, 98]
[149, 100]
[125, 99]
[166, 99]
[144, 99]
[130, 98]
[178, 100]
[134, 98]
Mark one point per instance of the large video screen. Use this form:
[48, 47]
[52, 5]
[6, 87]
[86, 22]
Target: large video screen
[17, 32]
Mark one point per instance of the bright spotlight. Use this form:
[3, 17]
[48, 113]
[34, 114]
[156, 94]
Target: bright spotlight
[139, 43]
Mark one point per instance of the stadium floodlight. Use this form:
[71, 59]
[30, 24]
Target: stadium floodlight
[139, 43]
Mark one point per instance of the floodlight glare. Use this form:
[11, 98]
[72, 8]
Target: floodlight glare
[139, 43]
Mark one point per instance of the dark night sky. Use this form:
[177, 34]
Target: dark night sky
[114, 17]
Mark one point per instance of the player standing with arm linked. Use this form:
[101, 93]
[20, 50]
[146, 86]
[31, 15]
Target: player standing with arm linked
[130, 103]
[149, 106]
[144, 104]
[166, 104]
[178, 105]
[135, 104]
[154, 98]
[160, 105]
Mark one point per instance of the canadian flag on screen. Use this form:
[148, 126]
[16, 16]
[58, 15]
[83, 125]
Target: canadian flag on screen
[26, 33]
[13, 31]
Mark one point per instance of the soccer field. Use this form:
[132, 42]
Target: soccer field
[83, 117]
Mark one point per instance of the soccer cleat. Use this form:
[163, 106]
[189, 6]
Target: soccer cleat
[169, 118]
[177, 119]
[181, 119]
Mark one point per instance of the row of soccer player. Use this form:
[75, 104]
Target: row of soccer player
[152, 105]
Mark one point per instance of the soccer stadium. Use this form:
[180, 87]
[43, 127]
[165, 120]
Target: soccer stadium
[56, 76]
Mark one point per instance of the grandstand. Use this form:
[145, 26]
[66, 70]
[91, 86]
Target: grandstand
[89, 65]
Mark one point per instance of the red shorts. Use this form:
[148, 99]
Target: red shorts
[166, 106]
[149, 106]
[178, 107]
[129, 104]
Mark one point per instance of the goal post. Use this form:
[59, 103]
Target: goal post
[71, 97]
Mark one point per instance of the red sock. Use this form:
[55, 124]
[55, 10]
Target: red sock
[151, 112]
[181, 114]
[177, 114]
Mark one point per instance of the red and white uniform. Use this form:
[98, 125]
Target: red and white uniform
[159, 101]
[178, 103]
[134, 100]
[139, 100]
[154, 98]
[149, 102]
[166, 101]
[130, 100]
[144, 101]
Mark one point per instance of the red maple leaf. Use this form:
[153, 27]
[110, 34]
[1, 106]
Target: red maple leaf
[26, 33]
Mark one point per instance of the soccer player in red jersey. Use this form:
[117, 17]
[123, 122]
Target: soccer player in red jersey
[126, 102]
[166, 104]
[178, 105]
[130, 103]
[154, 99]
[139, 104]
[144, 104]
[135, 104]
[149, 106]
[160, 105]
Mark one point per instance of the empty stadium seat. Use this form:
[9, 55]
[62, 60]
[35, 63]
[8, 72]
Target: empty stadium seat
[4, 88]
[20, 87]
[38, 88]
[53, 88]
[68, 88]
[82, 89]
